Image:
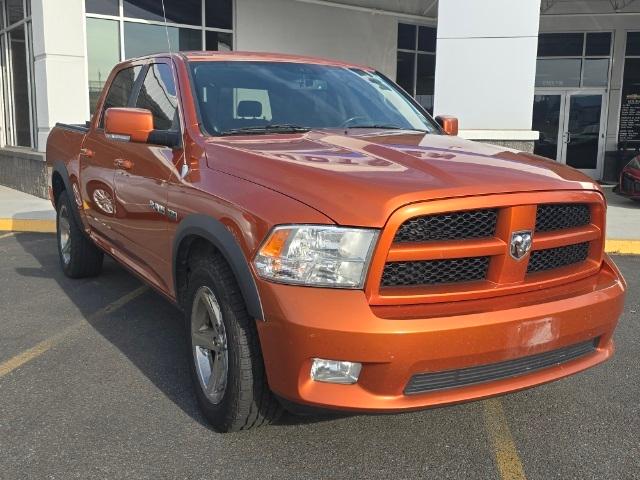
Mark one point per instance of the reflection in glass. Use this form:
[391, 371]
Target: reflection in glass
[219, 13]
[120, 89]
[188, 12]
[141, 39]
[558, 72]
[219, 41]
[103, 52]
[20, 79]
[584, 131]
[158, 94]
[546, 120]
[596, 72]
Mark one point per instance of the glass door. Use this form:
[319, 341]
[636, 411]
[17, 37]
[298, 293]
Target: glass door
[584, 132]
[571, 126]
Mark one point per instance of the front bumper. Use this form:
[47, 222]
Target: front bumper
[395, 343]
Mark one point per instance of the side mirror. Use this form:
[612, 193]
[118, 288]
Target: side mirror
[448, 124]
[128, 124]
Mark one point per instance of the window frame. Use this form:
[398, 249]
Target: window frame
[583, 57]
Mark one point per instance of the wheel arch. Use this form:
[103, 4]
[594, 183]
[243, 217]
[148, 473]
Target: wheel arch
[203, 227]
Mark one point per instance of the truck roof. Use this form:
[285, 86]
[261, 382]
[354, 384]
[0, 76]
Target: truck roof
[198, 56]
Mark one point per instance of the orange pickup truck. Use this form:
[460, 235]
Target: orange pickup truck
[331, 245]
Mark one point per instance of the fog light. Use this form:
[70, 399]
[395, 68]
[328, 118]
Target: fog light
[335, 371]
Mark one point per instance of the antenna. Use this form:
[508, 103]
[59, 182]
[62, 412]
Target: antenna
[184, 170]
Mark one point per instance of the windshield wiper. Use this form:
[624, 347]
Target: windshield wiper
[385, 127]
[271, 128]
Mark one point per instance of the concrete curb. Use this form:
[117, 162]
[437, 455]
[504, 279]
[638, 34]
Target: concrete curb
[617, 246]
[27, 225]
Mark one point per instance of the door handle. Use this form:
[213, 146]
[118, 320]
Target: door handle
[86, 152]
[123, 164]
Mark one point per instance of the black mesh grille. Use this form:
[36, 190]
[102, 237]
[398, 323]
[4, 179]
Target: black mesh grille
[427, 382]
[448, 226]
[557, 257]
[562, 215]
[435, 272]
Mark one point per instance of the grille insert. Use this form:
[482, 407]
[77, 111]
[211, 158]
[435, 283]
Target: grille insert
[448, 226]
[434, 272]
[550, 258]
[562, 215]
[428, 382]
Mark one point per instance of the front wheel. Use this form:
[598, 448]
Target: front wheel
[224, 352]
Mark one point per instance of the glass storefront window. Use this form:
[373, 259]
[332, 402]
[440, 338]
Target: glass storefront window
[560, 44]
[20, 79]
[188, 12]
[103, 52]
[595, 72]
[219, 13]
[633, 44]
[416, 62]
[218, 41]
[558, 72]
[142, 39]
[102, 7]
[15, 11]
[598, 44]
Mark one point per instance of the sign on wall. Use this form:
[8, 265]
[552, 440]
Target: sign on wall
[629, 129]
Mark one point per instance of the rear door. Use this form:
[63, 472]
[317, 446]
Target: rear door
[97, 155]
[141, 177]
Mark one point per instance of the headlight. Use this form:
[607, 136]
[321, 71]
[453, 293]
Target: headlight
[316, 255]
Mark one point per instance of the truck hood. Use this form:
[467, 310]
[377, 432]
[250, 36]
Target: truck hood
[361, 178]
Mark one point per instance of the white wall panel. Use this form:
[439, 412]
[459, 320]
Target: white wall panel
[288, 26]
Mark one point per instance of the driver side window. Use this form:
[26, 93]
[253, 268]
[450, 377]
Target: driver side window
[158, 94]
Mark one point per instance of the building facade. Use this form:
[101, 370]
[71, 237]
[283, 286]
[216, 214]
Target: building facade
[557, 77]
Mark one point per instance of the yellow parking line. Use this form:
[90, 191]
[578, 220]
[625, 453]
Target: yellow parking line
[631, 247]
[504, 449]
[27, 225]
[10, 365]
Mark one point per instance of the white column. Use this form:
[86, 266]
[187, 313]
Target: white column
[60, 70]
[485, 66]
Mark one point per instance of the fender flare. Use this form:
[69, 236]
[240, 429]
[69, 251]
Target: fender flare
[215, 232]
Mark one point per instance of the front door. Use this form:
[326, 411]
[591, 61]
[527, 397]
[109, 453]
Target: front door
[571, 126]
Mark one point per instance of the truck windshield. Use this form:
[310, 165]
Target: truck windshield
[277, 97]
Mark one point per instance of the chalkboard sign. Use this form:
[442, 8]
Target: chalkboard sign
[630, 117]
[629, 129]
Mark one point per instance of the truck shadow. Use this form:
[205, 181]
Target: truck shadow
[148, 330]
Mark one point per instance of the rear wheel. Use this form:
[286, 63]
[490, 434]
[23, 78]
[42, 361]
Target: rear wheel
[79, 257]
[224, 352]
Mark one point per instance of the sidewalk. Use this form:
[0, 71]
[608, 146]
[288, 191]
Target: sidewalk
[21, 212]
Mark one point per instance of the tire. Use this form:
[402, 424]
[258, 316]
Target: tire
[79, 257]
[224, 353]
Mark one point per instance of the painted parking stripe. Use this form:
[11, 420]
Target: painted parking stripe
[5, 235]
[17, 361]
[504, 449]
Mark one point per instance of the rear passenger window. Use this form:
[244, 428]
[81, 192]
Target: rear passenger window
[120, 90]
[158, 94]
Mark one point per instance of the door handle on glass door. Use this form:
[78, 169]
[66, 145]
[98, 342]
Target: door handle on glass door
[123, 164]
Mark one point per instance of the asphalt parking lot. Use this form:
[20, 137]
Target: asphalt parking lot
[94, 384]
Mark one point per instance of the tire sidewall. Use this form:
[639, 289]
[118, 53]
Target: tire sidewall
[63, 202]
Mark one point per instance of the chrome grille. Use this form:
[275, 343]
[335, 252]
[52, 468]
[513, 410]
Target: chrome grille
[560, 216]
[448, 226]
[435, 272]
[550, 258]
